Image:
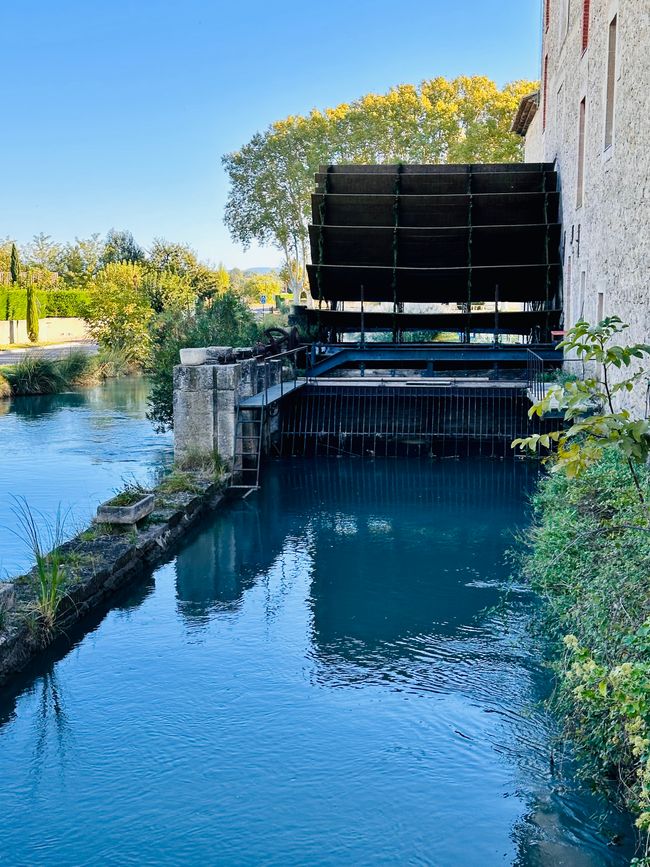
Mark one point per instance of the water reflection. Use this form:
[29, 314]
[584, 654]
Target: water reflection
[73, 449]
[319, 677]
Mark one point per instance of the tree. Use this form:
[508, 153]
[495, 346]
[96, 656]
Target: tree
[120, 246]
[167, 256]
[32, 313]
[588, 404]
[120, 310]
[168, 291]
[256, 285]
[78, 263]
[226, 321]
[272, 176]
[42, 252]
[15, 265]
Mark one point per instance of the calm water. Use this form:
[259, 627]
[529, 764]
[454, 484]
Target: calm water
[318, 678]
[72, 450]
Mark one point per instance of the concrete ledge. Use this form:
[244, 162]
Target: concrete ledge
[98, 564]
[107, 514]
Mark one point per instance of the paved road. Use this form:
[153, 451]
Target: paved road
[60, 350]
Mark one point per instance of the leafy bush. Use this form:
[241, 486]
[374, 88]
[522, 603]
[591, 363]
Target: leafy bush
[227, 321]
[589, 558]
[5, 388]
[120, 312]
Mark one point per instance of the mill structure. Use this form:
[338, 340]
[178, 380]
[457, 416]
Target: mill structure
[433, 316]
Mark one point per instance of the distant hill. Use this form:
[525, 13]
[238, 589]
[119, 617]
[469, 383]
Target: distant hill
[260, 270]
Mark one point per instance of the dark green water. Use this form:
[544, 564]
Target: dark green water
[72, 450]
[318, 678]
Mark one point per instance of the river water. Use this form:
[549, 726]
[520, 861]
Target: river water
[72, 450]
[325, 674]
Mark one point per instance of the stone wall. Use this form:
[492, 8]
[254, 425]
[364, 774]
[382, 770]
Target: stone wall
[209, 384]
[606, 239]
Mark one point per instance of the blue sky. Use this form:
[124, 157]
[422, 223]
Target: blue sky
[116, 113]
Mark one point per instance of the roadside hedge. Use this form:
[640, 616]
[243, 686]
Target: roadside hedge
[52, 302]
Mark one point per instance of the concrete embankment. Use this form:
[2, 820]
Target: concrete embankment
[96, 563]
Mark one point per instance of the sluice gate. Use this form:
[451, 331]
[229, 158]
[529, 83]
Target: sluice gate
[333, 419]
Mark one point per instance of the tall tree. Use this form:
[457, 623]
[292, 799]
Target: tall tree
[121, 246]
[43, 252]
[15, 265]
[466, 119]
[32, 313]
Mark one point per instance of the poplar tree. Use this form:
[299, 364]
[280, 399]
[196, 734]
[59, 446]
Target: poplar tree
[15, 265]
[32, 314]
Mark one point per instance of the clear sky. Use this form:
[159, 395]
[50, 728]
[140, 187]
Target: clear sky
[116, 112]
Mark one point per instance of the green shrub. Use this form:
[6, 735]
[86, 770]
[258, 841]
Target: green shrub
[589, 557]
[120, 312]
[34, 375]
[114, 361]
[227, 321]
[37, 375]
[5, 387]
[75, 368]
[54, 302]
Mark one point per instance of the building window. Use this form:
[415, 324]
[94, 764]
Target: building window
[585, 25]
[611, 84]
[547, 13]
[544, 95]
[581, 154]
[600, 314]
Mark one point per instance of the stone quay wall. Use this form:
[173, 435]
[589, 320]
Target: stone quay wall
[209, 384]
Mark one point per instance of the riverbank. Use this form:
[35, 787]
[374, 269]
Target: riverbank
[38, 373]
[38, 608]
[589, 558]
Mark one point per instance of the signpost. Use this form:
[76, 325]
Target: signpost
[263, 303]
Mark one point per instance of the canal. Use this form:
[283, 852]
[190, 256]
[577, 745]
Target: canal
[325, 674]
[73, 450]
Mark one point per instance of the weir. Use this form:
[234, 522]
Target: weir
[436, 308]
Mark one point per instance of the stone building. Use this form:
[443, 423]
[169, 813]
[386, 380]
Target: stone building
[592, 118]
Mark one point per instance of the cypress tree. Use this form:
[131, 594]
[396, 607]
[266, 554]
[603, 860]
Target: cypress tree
[15, 265]
[32, 314]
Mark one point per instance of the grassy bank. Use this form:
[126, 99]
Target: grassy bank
[36, 375]
[589, 558]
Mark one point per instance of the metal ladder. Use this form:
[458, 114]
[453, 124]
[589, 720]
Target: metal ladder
[246, 463]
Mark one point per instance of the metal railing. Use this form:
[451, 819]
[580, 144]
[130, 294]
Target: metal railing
[281, 370]
[535, 375]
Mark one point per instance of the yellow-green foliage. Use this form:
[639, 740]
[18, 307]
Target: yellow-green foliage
[5, 388]
[120, 311]
[589, 558]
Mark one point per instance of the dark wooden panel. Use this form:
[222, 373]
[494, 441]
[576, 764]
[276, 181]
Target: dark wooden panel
[456, 183]
[511, 322]
[442, 285]
[435, 247]
[484, 209]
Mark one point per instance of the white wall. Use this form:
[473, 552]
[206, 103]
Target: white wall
[51, 329]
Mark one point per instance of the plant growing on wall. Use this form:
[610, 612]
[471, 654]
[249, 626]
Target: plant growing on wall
[32, 313]
[593, 420]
